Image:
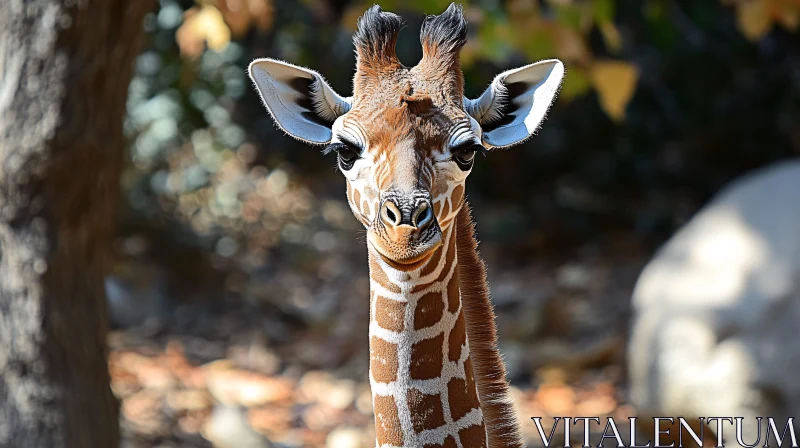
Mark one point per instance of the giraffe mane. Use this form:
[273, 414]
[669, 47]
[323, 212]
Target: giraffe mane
[490, 372]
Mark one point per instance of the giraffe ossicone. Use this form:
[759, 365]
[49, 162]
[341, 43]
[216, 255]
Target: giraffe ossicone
[406, 141]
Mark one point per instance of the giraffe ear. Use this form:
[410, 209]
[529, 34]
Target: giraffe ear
[513, 107]
[301, 102]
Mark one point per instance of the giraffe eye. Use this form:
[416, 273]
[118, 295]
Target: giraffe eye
[464, 156]
[347, 154]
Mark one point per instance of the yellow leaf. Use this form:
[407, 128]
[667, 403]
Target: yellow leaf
[787, 12]
[189, 40]
[611, 36]
[200, 26]
[615, 82]
[753, 18]
[212, 24]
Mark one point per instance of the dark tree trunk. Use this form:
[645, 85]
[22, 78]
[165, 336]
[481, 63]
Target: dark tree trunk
[65, 66]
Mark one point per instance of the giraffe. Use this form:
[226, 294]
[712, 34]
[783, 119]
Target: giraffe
[405, 141]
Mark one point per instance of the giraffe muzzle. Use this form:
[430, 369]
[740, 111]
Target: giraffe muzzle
[418, 217]
[406, 232]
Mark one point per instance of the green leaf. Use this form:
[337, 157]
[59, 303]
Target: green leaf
[603, 10]
[576, 83]
[570, 15]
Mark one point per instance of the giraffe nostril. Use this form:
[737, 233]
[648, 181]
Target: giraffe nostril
[390, 213]
[423, 216]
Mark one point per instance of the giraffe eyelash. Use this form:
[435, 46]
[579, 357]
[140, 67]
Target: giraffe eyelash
[344, 143]
[470, 145]
[347, 154]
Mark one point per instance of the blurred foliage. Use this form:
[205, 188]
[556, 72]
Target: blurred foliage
[664, 101]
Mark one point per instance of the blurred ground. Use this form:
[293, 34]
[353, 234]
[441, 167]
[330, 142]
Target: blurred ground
[290, 350]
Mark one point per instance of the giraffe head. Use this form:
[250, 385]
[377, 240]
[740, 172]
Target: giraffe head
[407, 139]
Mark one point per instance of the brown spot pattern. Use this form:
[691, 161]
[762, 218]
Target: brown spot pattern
[461, 394]
[377, 275]
[387, 423]
[446, 208]
[429, 310]
[421, 287]
[456, 339]
[426, 410]
[451, 250]
[457, 196]
[442, 275]
[446, 223]
[390, 314]
[433, 262]
[453, 294]
[383, 360]
[449, 442]
[371, 298]
[469, 372]
[445, 270]
[473, 436]
[426, 358]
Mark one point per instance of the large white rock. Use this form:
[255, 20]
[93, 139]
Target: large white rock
[717, 311]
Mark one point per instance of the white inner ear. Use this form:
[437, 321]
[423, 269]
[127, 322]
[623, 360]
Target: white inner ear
[298, 99]
[513, 107]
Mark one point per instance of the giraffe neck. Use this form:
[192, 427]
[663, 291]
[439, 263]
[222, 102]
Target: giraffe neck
[423, 388]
